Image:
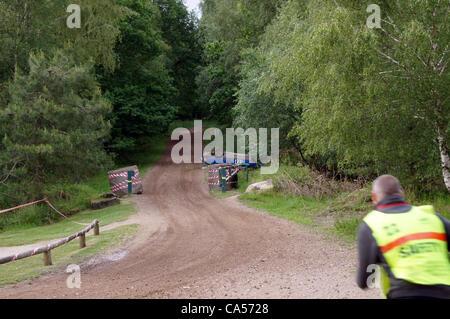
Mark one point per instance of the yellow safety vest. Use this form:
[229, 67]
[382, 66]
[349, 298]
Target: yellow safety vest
[414, 245]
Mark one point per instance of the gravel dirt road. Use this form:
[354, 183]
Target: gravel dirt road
[192, 245]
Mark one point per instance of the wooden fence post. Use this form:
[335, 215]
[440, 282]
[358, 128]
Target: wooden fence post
[48, 258]
[223, 178]
[46, 250]
[82, 240]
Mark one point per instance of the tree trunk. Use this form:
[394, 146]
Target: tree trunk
[445, 160]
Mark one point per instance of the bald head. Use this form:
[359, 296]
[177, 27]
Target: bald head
[385, 186]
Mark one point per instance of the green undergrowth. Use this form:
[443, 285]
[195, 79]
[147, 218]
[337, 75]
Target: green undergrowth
[306, 197]
[71, 198]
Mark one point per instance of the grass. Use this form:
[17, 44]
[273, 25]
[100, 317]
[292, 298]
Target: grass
[284, 206]
[295, 208]
[150, 151]
[69, 253]
[35, 224]
[24, 235]
[338, 214]
[347, 227]
[254, 176]
[68, 197]
[220, 194]
[440, 201]
[350, 209]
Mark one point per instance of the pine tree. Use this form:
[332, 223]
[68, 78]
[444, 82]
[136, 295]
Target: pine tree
[54, 125]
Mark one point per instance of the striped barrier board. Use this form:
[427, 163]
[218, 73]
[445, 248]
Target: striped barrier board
[125, 180]
[215, 178]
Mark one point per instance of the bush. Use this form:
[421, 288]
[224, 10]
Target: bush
[357, 201]
[70, 196]
[54, 126]
[28, 217]
[67, 198]
[301, 180]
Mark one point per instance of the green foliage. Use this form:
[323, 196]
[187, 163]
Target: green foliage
[146, 154]
[257, 107]
[71, 197]
[284, 206]
[56, 122]
[155, 80]
[339, 210]
[141, 87]
[179, 30]
[52, 114]
[228, 28]
[216, 84]
[32, 217]
[347, 227]
[353, 100]
[301, 180]
[54, 125]
[28, 25]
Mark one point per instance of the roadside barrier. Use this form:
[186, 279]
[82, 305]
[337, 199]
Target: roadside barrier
[125, 181]
[46, 250]
[223, 177]
[234, 172]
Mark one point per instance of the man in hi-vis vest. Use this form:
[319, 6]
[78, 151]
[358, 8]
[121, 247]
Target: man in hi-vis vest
[410, 243]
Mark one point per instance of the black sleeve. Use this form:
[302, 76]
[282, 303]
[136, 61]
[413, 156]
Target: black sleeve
[446, 223]
[367, 254]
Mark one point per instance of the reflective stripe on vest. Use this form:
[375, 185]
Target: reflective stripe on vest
[413, 243]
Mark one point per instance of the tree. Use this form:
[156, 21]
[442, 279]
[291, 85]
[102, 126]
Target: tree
[180, 31]
[27, 25]
[54, 125]
[220, 84]
[257, 102]
[376, 99]
[412, 48]
[229, 27]
[141, 88]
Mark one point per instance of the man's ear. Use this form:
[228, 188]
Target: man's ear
[374, 198]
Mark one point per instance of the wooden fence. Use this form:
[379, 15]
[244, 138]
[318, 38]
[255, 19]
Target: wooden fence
[46, 250]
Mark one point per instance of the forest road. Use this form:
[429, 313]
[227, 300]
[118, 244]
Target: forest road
[190, 244]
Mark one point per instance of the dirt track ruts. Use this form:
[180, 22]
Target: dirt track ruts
[192, 245]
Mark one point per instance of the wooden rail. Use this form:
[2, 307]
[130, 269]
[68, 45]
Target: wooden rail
[46, 250]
